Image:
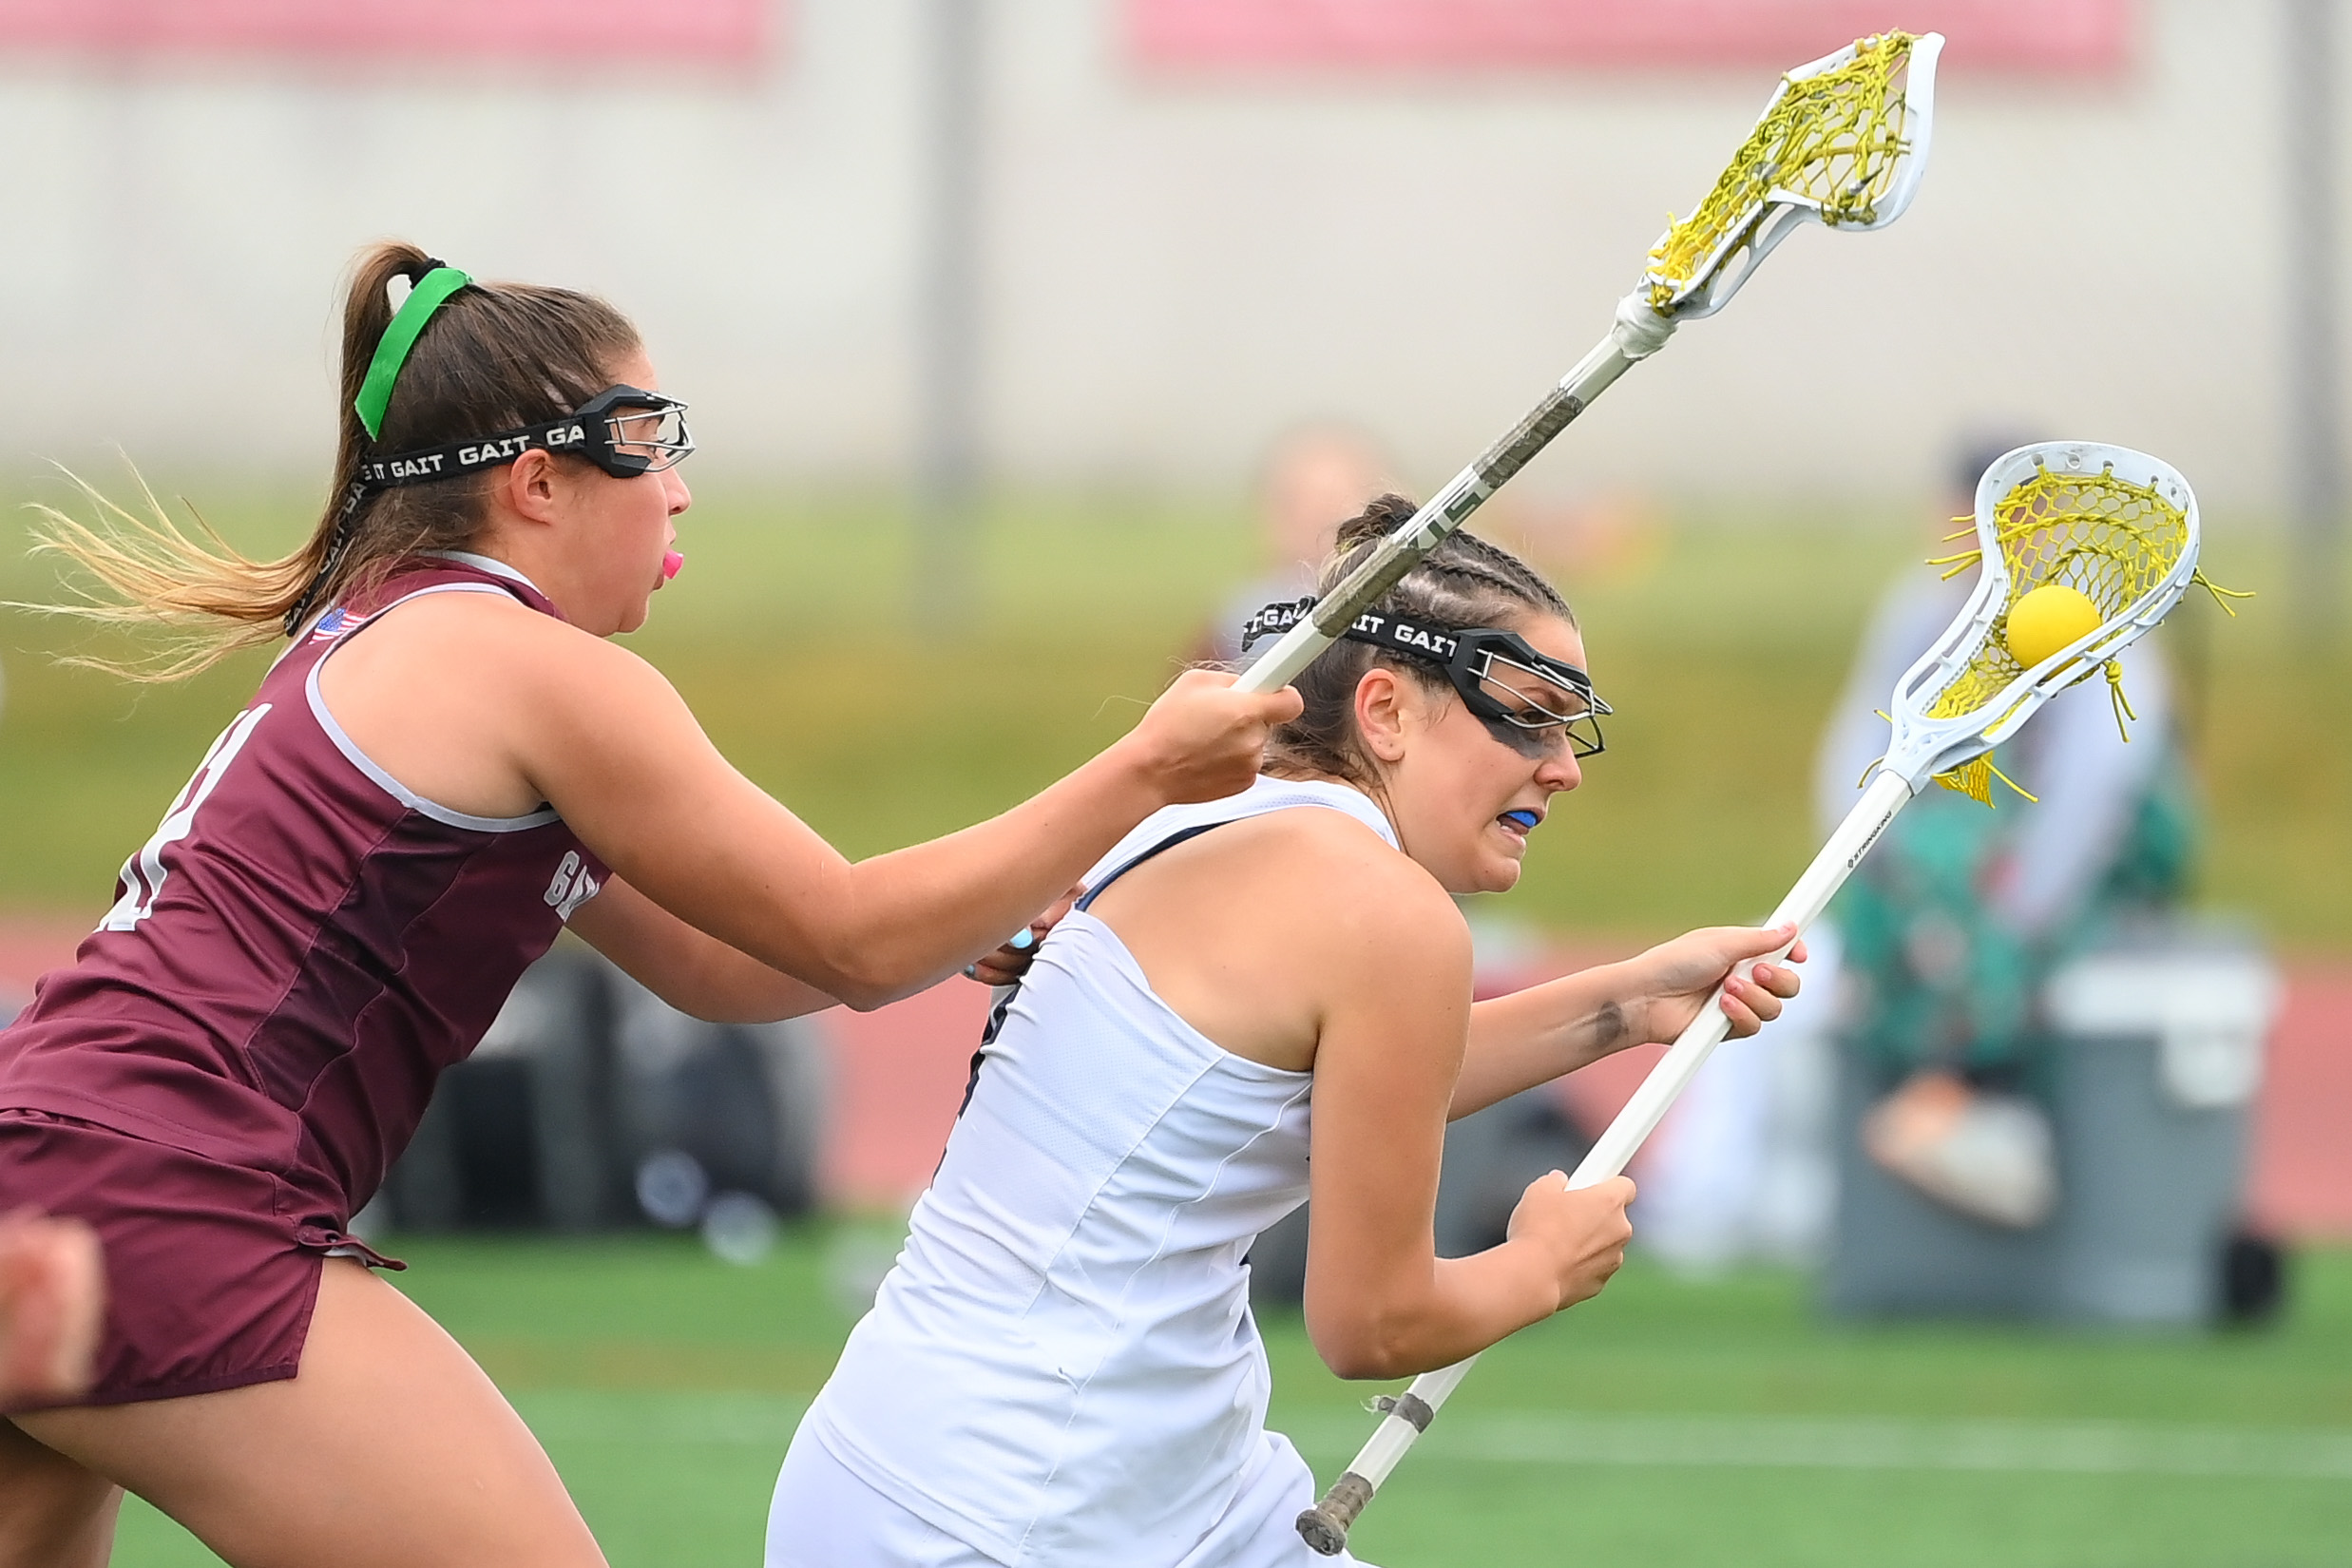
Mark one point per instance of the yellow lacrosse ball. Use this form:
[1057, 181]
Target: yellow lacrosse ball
[2049, 619]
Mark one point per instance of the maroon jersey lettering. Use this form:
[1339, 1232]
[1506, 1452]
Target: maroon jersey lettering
[303, 945]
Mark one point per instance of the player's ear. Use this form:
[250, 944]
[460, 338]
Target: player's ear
[528, 485]
[1381, 701]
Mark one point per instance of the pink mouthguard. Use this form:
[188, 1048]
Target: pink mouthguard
[671, 562]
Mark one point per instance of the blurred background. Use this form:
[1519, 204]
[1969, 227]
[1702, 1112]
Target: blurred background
[1028, 338]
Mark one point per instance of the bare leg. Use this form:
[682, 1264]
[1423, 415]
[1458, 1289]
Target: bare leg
[54, 1512]
[391, 1449]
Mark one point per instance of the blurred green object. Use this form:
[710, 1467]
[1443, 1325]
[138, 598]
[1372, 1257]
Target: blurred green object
[1942, 980]
[1666, 1424]
[1967, 1008]
[1722, 642]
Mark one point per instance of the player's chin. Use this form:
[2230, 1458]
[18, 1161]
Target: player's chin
[1499, 868]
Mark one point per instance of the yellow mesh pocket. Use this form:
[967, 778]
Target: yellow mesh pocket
[2111, 540]
[1834, 139]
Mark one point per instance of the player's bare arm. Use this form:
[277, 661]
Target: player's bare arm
[1532, 1036]
[1279, 938]
[592, 729]
[693, 972]
[1380, 1302]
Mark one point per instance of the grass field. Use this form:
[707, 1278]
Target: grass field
[1666, 1424]
[1721, 640]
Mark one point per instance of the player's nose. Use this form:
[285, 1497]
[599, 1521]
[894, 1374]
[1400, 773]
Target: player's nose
[1560, 772]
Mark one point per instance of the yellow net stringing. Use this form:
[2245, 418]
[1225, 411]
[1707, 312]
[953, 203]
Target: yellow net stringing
[1834, 139]
[2111, 540]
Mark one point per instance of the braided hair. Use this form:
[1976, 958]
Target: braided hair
[1466, 581]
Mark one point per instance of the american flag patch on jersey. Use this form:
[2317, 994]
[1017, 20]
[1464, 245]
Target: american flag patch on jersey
[335, 624]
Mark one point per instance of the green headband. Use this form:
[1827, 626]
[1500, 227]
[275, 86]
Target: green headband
[426, 296]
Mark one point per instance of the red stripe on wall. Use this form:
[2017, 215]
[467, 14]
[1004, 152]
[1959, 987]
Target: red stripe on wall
[2064, 36]
[719, 29]
[898, 1076]
[2301, 1181]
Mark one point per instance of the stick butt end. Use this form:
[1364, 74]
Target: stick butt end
[1324, 1526]
[1326, 1536]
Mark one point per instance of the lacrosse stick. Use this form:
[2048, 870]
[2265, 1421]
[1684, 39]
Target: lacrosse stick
[1841, 143]
[2116, 525]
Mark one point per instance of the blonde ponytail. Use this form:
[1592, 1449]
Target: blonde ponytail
[208, 599]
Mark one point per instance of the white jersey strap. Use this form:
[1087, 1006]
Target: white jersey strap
[1160, 830]
[1166, 828]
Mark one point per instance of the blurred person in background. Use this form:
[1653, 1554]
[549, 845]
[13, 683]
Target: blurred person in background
[1316, 477]
[1742, 1170]
[1930, 962]
[448, 763]
[1951, 926]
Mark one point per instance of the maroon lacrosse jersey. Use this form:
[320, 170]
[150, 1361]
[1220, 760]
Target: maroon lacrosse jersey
[302, 947]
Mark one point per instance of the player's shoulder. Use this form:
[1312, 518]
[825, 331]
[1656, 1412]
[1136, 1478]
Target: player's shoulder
[496, 645]
[480, 618]
[465, 603]
[1354, 883]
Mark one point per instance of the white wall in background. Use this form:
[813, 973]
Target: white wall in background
[1175, 268]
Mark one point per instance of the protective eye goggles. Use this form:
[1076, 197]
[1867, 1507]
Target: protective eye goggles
[624, 430]
[1516, 691]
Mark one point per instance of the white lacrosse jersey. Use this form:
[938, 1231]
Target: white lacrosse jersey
[1062, 1368]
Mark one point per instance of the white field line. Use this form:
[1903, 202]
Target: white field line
[1843, 1442]
[661, 1420]
[1807, 1443]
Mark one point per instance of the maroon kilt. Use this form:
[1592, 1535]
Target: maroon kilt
[210, 1282]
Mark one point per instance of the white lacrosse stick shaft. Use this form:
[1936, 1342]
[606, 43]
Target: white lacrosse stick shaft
[1410, 1413]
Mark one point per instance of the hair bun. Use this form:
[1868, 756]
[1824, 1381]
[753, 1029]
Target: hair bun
[1464, 581]
[1382, 516]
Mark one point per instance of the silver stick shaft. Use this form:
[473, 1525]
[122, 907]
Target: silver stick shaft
[1445, 511]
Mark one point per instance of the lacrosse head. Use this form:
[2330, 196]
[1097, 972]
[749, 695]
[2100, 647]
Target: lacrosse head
[1843, 142]
[2116, 525]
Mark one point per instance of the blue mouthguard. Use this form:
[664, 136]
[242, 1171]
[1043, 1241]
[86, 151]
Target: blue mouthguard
[1527, 820]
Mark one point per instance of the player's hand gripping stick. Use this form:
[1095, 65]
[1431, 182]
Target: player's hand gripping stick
[1842, 142]
[2114, 525]
[1409, 1414]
